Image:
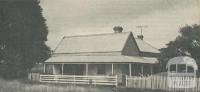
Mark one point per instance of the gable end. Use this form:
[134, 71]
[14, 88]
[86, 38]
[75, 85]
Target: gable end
[130, 47]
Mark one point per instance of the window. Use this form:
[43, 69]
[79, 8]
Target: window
[101, 69]
[173, 68]
[182, 68]
[48, 68]
[74, 69]
[190, 69]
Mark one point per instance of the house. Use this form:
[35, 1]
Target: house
[100, 59]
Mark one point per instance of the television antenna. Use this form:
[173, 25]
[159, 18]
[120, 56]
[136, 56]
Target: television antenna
[141, 27]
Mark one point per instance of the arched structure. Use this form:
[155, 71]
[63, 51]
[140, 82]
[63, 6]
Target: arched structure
[182, 72]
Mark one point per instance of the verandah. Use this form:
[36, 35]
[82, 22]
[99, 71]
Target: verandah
[97, 74]
[130, 69]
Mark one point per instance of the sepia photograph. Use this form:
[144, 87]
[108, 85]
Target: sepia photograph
[99, 45]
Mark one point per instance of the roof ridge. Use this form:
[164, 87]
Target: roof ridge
[96, 34]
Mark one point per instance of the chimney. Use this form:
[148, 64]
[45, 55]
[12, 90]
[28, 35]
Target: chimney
[140, 37]
[118, 29]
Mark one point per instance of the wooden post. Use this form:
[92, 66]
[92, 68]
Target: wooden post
[62, 68]
[130, 72]
[44, 68]
[86, 70]
[53, 69]
[74, 79]
[168, 68]
[151, 69]
[186, 68]
[142, 69]
[112, 69]
[116, 81]
[176, 68]
[127, 80]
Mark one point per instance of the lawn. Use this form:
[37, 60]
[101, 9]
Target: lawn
[22, 86]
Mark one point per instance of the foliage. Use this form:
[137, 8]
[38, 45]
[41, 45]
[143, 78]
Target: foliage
[187, 43]
[23, 33]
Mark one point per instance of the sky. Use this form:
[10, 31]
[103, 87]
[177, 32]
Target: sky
[81, 17]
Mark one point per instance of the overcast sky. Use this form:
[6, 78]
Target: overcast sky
[80, 17]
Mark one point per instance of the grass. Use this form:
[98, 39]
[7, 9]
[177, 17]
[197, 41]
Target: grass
[22, 86]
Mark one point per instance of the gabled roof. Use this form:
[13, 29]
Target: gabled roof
[93, 43]
[112, 42]
[145, 47]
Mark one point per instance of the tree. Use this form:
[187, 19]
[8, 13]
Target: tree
[23, 33]
[188, 43]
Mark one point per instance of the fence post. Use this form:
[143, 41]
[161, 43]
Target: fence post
[153, 82]
[95, 83]
[74, 80]
[116, 80]
[197, 84]
[126, 80]
[40, 78]
[30, 76]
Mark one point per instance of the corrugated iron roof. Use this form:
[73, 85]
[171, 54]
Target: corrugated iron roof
[145, 47]
[93, 43]
[101, 59]
[183, 60]
[111, 42]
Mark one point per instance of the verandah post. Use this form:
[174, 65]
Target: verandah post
[186, 68]
[151, 69]
[62, 68]
[112, 68]
[142, 69]
[176, 68]
[86, 70]
[130, 72]
[44, 68]
[53, 69]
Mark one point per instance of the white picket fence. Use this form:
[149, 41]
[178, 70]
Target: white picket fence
[181, 82]
[157, 81]
[163, 82]
[75, 79]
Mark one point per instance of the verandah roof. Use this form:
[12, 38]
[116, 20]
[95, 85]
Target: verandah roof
[101, 59]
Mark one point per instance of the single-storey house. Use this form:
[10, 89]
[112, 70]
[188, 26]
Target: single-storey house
[99, 59]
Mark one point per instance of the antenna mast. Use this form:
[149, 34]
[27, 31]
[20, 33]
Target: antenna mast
[141, 27]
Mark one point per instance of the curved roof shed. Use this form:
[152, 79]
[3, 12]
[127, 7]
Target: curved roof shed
[183, 60]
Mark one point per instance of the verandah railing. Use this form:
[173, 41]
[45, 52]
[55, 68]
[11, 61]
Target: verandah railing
[76, 79]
